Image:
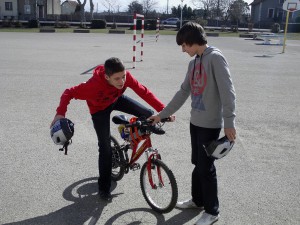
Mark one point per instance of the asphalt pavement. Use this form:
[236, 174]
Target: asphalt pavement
[258, 181]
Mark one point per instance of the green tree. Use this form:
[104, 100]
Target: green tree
[187, 12]
[135, 7]
[238, 10]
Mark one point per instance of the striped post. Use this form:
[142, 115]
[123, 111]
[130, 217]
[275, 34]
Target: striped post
[157, 29]
[134, 37]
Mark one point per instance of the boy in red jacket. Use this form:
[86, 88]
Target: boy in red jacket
[103, 94]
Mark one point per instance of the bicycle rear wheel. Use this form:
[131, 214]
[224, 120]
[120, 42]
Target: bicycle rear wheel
[118, 170]
[163, 197]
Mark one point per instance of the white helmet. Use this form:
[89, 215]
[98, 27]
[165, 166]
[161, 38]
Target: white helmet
[62, 131]
[219, 148]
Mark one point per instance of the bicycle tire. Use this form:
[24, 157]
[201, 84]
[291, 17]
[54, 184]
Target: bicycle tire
[163, 198]
[118, 170]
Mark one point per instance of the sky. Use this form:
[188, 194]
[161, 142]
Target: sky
[160, 7]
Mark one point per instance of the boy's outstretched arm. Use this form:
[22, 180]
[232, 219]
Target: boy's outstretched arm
[156, 119]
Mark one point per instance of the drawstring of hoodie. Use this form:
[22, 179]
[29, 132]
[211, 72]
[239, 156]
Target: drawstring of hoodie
[197, 56]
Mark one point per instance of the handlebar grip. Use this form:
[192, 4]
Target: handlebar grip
[135, 124]
[168, 119]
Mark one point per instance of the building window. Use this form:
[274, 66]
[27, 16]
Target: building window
[271, 13]
[27, 9]
[8, 6]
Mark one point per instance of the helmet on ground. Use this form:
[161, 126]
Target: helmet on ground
[62, 131]
[219, 148]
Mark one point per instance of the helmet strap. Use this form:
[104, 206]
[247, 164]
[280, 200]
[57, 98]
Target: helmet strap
[65, 147]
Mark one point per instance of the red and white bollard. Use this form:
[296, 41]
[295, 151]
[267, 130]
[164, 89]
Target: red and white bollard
[134, 37]
[157, 30]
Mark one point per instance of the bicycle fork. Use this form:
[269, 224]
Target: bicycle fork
[153, 154]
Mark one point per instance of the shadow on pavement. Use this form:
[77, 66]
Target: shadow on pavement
[143, 216]
[87, 206]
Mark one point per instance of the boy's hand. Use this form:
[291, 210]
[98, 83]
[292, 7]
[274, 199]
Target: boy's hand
[155, 119]
[172, 118]
[57, 117]
[230, 133]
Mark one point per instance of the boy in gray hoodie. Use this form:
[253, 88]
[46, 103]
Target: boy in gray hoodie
[209, 83]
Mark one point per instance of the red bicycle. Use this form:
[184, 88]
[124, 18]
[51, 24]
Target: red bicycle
[157, 181]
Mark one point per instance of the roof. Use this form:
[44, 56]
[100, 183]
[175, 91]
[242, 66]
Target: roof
[255, 2]
[71, 3]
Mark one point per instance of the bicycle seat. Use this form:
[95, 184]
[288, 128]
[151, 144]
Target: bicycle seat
[120, 119]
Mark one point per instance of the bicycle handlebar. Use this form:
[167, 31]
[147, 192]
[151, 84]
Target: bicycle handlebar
[146, 123]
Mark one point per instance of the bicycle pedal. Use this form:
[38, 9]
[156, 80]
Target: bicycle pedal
[135, 166]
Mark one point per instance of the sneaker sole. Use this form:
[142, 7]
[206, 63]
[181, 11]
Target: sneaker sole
[196, 207]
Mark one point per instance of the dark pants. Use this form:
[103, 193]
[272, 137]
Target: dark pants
[204, 177]
[101, 122]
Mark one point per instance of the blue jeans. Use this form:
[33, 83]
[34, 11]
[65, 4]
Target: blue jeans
[101, 121]
[204, 177]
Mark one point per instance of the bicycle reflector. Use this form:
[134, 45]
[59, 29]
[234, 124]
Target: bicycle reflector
[62, 131]
[219, 148]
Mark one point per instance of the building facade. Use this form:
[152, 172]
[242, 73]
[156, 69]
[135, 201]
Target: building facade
[30, 9]
[9, 9]
[264, 13]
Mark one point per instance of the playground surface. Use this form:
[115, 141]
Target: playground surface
[258, 181]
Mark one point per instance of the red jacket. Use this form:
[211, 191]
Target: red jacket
[99, 94]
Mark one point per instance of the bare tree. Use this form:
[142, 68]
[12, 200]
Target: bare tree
[207, 5]
[81, 10]
[81, 7]
[92, 9]
[112, 6]
[224, 10]
[148, 5]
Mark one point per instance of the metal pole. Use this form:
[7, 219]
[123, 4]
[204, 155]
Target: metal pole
[181, 13]
[286, 26]
[36, 11]
[167, 7]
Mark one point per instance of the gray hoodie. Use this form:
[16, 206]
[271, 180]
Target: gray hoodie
[212, 92]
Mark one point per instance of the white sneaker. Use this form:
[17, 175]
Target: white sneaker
[188, 204]
[207, 219]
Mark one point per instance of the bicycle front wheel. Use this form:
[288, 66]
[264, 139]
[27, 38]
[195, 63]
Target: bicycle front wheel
[163, 196]
[118, 169]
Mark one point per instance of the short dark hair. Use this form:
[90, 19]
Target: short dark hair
[113, 65]
[191, 33]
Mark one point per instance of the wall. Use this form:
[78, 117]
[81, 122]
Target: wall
[9, 14]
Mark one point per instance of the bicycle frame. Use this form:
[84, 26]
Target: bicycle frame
[147, 148]
[160, 195]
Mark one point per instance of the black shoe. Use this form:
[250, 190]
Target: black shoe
[105, 196]
[157, 130]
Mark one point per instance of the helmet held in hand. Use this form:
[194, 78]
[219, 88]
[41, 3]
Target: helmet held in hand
[219, 148]
[62, 131]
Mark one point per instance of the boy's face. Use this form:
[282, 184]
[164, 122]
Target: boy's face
[117, 79]
[190, 49]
